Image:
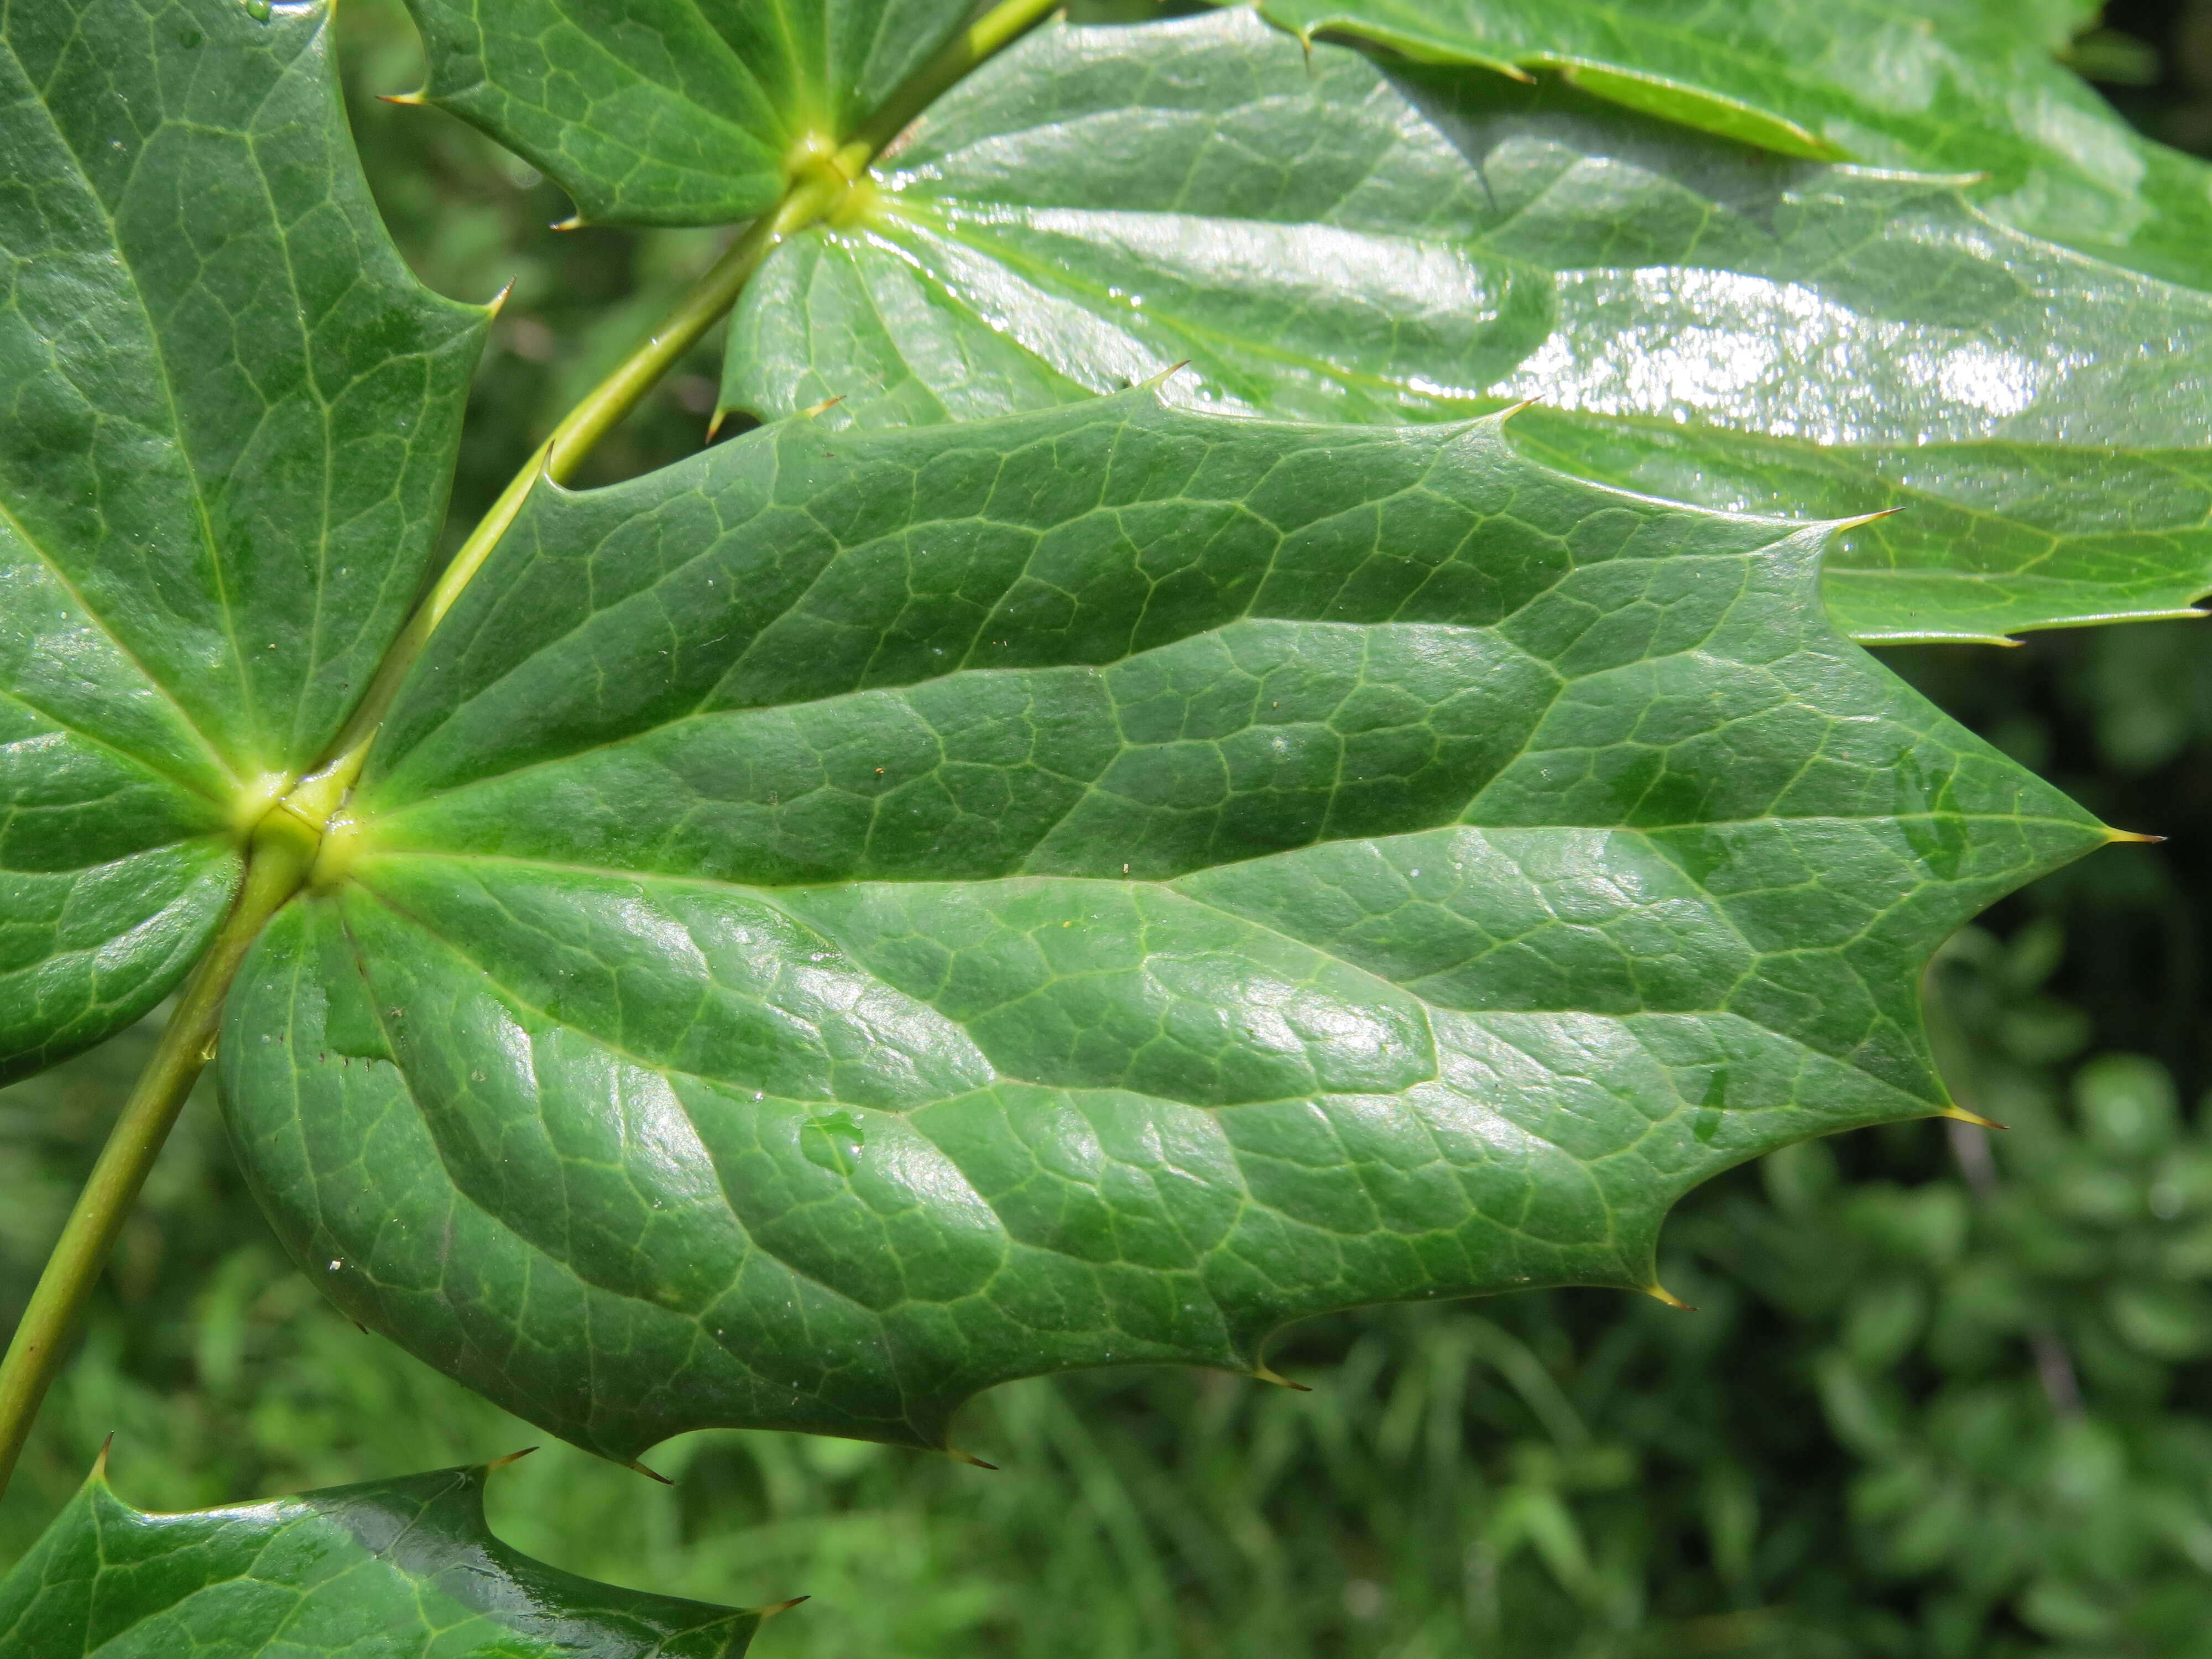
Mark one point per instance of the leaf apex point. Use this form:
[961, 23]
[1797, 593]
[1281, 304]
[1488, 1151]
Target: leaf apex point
[1268, 1374]
[2134, 837]
[1958, 1114]
[715, 424]
[650, 1475]
[1836, 526]
[499, 1464]
[970, 1458]
[497, 303]
[1660, 1293]
[573, 221]
[405, 100]
[775, 1608]
[100, 1463]
[1160, 379]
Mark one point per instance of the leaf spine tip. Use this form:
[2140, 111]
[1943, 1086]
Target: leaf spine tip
[405, 100]
[497, 303]
[573, 221]
[1836, 526]
[775, 1608]
[1267, 1374]
[970, 1458]
[2112, 834]
[1960, 1114]
[100, 1463]
[1165, 376]
[1660, 1293]
[715, 424]
[499, 1464]
[650, 1475]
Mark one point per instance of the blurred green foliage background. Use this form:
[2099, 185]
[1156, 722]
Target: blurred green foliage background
[1949, 1394]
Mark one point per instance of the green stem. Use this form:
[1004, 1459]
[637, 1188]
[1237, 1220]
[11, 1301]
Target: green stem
[277, 863]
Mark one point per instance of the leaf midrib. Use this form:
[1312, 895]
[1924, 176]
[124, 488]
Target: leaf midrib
[61, 579]
[1067, 278]
[832, 883]
[746, 140]
[1427, 1010]
[176, 431]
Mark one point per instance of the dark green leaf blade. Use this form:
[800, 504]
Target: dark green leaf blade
[230, 417]
[1323, 241]
[1958, 86]
[856, 918]
[673, 112]
[235, 408]
[401, 1566]
[1990, 539]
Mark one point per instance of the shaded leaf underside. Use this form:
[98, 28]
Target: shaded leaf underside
[1322, 240]
[853, 918]
[227, 426]
[396, 1567]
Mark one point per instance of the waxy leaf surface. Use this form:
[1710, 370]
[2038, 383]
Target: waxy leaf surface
[1320, 240]
[227, 417]
[1323, 241]
[673, 112]
[1949, 86]
[854, 918]
[403, 1569]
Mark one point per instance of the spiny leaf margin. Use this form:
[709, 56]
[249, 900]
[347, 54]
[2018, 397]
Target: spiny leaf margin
[644, 1089]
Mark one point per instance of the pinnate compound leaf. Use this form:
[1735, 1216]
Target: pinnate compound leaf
[854, 918]
[673, 112]
[1947, 86]
[1322, 240]
[230, 413]
[392, 1568]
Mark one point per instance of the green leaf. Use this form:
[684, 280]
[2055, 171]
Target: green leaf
[1326, 241]
[1954, 86]
[392, 1567]
[673, 111]
[854, 918]
[2057, 24]
[1323, 241]
[231, 417]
